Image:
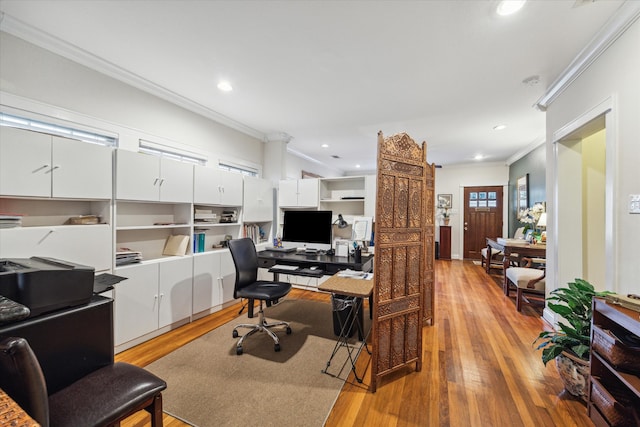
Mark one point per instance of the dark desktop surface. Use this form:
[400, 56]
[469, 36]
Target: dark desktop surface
[329, 264]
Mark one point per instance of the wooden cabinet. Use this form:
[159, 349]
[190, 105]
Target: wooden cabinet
[614, 386]
[445, 242]
[34, 164]
[294, 193]
[217, 187]
[141, 176]
[213, 281]
[154, 296]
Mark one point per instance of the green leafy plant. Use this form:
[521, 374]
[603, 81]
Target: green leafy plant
[574, 305]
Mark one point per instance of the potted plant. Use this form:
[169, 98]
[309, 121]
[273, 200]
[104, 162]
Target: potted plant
[445, 215]
[569, 346]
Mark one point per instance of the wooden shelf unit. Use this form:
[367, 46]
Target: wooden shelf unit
[622, 384]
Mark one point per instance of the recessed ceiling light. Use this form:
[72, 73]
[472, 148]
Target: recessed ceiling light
[357, 166]
[225, 86]
[325, 146]
[499, 127]
[478, 157]
[508, 7]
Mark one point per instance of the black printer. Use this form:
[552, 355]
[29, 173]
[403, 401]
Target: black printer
[45, 284]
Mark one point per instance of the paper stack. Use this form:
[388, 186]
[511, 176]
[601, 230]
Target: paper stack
[10, 220]
[205, 215]
[127, 256]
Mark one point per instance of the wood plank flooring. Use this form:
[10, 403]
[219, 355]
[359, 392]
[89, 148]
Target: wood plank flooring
[479, 365]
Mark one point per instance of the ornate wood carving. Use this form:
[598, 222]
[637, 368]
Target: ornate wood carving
[404, 262]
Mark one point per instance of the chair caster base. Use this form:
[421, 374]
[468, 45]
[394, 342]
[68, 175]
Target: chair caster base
[239, 350]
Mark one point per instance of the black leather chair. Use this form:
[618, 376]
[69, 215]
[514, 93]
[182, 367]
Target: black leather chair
[247, 285]
[102, 398]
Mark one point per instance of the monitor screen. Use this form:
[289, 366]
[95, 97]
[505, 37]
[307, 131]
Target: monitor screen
[307, 229]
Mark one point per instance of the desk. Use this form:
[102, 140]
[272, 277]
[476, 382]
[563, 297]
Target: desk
[358, 289]
[325, 264]
[514, 246]
[11, 414]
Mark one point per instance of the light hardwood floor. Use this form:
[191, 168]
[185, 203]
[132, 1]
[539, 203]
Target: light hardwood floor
[479, 365]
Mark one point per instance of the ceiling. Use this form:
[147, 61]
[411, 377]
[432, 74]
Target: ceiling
[336, 72]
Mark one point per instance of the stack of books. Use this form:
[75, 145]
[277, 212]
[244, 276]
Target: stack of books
[10, 220]
[254, 232]
[84, 220]
[229, 216]
[127, 256]
[199, 236]
[205, 215]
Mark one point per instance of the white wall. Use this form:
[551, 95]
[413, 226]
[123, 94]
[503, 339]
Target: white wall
[613, 76]
[37, 74]
[453, 179]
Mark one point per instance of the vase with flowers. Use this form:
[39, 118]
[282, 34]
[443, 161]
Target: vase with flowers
[529, 217]
[444, 213]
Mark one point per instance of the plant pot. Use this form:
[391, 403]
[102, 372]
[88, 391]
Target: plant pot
[445, 221]
[574, 373]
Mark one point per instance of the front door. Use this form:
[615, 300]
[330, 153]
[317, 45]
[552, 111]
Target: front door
[482, 218]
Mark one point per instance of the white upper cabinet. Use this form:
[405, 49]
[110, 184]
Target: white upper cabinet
[142, 176]
[217, 187]
[258, 200]
[34, 164]
[298, 193]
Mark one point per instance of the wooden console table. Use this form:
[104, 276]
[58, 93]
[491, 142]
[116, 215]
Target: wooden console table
[515, 246]
[445, 242]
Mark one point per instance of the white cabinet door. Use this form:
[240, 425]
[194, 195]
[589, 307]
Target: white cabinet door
[206, 186]
[258, 200]
[370, 185]
[25, 163]
[206, 281]
[217, 187]
[137, 176]
[288, 193]
[136, 302]
[81, 170]
[176, 183]
[231, 194]
[308, 192]
[298, 193]
[175, 290]
[87, 245]
[227, 276]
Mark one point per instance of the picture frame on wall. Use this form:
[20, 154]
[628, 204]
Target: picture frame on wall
[522, 188]
[444, 200]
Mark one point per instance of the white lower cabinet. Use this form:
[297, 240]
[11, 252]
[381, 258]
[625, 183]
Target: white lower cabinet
[213, 281]
[154, 296]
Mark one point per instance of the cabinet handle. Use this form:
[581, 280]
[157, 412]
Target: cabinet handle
[53, 168]
[156, 181]
[47, 235]
[161, 181]
[40, 168]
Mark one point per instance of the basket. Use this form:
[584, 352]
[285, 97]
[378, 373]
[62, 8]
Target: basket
[13, 415]
[611, 404]
[615, 351]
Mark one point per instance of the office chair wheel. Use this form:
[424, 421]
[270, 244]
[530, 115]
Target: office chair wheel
[239, 350]
[288, 330]
[235, 334]
[276, 347]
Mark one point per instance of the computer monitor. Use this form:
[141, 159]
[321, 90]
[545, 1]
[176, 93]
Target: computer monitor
[310, 230]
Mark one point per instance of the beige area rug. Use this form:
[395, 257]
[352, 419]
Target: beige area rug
[209, 385]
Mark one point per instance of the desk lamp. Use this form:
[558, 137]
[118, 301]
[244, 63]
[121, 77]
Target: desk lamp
[341, 224]
[542, 224]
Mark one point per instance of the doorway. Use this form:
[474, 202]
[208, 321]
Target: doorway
[581, 205]
[482, 218]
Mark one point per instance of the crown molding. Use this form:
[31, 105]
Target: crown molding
[624, 17]
[526, 150]
[53, 44]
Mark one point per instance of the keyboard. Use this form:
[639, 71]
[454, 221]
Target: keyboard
[276, 249]
[284, 267]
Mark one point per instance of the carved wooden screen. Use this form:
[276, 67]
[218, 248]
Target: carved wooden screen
[404, 260]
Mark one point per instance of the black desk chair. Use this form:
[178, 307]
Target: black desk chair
[101, 398]
[245, 258]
